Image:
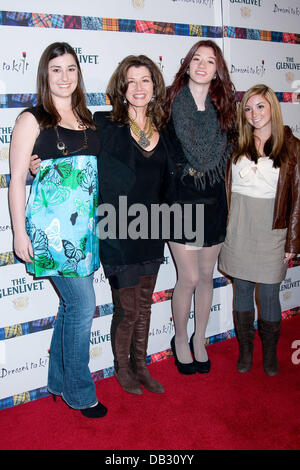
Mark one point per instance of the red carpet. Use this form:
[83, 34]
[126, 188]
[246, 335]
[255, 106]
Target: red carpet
[221, 410]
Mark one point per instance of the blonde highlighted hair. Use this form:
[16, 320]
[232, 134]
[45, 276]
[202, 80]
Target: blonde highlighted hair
[246, 144]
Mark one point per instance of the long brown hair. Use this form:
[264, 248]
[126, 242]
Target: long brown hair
[246, 144]
[118, 85]
[221, 90]
[48, 115]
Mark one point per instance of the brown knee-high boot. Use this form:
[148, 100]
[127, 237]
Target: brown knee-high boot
[245, 332]
[269, 333]
[141, 334]
[126, 309]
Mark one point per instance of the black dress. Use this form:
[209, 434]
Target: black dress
[147, 252]
[215, 211]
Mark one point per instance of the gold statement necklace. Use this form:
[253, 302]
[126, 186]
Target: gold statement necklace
[144, 135]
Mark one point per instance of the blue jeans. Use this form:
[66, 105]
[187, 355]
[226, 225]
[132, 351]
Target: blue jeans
[69, 374]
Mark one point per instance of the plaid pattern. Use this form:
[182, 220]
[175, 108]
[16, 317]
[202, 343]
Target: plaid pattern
[41, 324]
[97, 375]
[96, 99]
[128, 26]
[253, 34]
[8, 257]
[21, 398]
[23, 100]
[288, 37]
[276, 36]
[3, 184]
[265, 35]
[162, 296]
[239, 95]
[287, 97]
[156, 357]
[13, 331]
[110, 24]
[163, 28]
[297, 38]
[107, 309]
[214, 31]
[92, 23]
[182, 29]
[220, 282]
[195, 30]
[241, 33]
[41, 21]
[72, 22]
[144, 27]
[108, 372]
[229, 31]
[58, 21]
[205, 31]
[17, 18]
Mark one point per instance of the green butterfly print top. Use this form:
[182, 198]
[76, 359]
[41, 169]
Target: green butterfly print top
[61, 215]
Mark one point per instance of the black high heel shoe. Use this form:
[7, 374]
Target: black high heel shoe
[98, 411]
[201, 367]
[184, 368]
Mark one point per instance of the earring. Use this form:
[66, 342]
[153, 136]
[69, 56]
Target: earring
[215, 76]
[152, 99]
[125, 101]
[187, 72]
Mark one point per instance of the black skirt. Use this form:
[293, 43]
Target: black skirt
[213, 227]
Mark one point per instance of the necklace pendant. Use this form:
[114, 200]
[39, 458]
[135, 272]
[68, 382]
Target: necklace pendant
[60, 145]
[144, 141]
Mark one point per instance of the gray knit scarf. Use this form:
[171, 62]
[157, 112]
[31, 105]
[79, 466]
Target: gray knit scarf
[204, 144]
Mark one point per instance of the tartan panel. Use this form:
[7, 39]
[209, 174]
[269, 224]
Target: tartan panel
[144, 27]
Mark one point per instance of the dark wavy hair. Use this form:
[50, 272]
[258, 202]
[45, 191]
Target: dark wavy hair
[48, 115]
[118, 85]
[221, 90]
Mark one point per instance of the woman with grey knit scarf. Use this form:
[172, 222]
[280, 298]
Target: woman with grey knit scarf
[201, 105]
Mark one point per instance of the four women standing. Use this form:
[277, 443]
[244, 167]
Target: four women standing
[136, 160]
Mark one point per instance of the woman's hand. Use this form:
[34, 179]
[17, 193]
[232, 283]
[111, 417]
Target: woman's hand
[288, 256]
[34, 165]
[23, 247]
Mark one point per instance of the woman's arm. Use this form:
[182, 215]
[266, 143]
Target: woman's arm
[24, 135]
[293, 232]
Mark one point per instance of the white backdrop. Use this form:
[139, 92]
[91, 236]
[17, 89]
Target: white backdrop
[257, 47]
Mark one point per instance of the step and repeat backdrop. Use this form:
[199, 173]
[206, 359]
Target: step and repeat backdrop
[261, 43]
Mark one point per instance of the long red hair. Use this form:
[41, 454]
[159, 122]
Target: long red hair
[221, 90]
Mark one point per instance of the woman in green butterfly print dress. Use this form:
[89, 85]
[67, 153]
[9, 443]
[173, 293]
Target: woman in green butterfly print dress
[56, 236]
